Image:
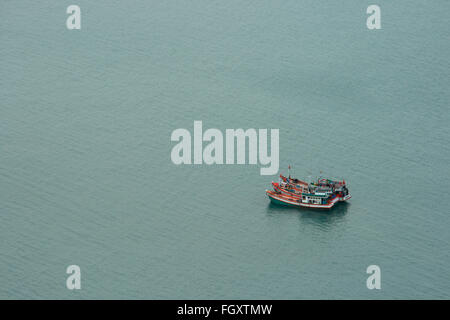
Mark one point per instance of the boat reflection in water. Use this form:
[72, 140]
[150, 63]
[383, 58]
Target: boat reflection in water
[324, 219]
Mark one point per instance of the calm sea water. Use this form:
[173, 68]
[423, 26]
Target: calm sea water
[85, 170]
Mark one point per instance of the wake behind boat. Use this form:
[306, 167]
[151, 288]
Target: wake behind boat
[322, 194]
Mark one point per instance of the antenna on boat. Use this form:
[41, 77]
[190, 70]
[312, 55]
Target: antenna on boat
[309, 176]
[289, 169]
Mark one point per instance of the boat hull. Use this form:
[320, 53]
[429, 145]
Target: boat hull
[285, 192]
[279, 198]
[282, 202]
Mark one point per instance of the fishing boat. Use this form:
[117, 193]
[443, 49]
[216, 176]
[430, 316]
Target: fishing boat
[299, 184]
[323, 193]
